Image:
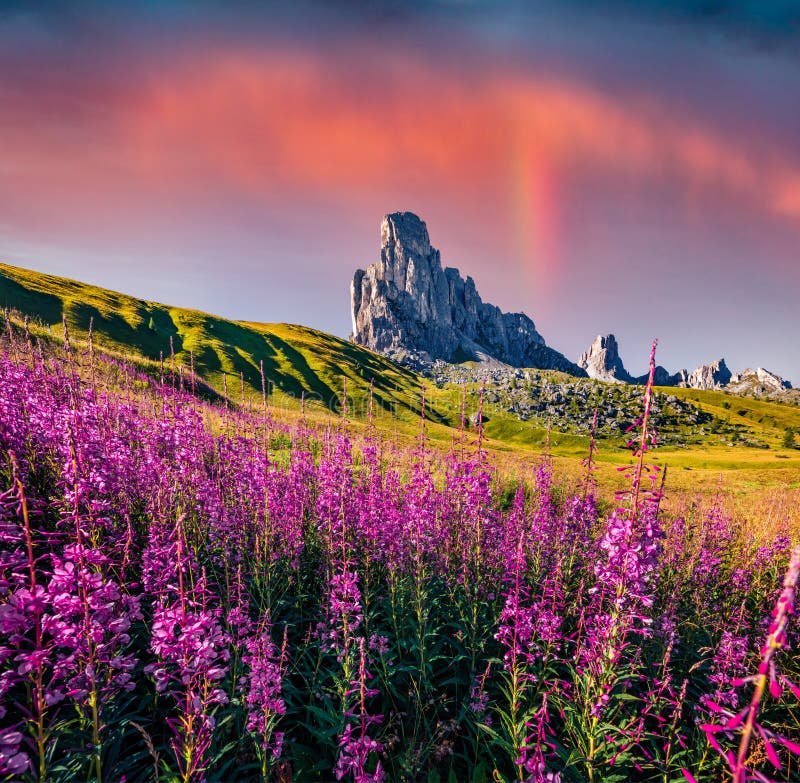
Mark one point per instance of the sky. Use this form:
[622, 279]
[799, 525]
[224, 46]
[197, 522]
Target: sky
[625, 167]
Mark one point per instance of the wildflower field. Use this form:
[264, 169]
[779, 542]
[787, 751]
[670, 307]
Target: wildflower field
[195, 590]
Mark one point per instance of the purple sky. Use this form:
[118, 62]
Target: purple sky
[633, 170]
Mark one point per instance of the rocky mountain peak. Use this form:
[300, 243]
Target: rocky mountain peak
[408, 307]
[406, 233]
[602, 361]
[758, 381]
[714, 375]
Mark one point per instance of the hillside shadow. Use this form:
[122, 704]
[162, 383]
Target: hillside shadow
[389, 380]
[149, 342]
[236, 340]
[312, 383]
[48, 308]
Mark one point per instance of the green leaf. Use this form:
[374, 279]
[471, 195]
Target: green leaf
[480, 774]
[489, 730]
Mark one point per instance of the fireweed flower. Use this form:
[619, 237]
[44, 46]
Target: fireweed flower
[712, 543]
[89, 620]
[279, 531]
[192, 654]
[26, 652]
[239, 628]
[516, 629]
[339, 636]
[625, 577]
[578, 526]
[479, 698]
[727, 668]
[468, 510]
[263, 697]
[355, 743]
[237, 620]
[745, 722]
[538, 748]
[529, 633]
[344, 610]
[336, 497]
[418, 524]
[12, 760]
[626, 574]
[624, 587]
[546, 524]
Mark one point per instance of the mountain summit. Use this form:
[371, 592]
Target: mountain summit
[602, 361]
[408, 307]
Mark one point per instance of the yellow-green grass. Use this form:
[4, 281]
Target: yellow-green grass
[765, 417]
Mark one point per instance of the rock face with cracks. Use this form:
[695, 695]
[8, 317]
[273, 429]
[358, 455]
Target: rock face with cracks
[602, 361]
[714, 375]
[410, 308]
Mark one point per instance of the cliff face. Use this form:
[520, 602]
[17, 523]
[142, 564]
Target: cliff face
[406, 305]
[602, 361]
[714, 375]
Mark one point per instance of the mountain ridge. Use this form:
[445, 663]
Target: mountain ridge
[410, 308]
[407, 306]
[602, 362]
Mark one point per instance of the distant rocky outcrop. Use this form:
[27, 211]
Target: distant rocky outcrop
[759, 382]
[408, 307]
[602, 361]
[715, 375]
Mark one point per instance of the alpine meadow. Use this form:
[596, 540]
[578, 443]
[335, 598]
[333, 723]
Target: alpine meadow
[247, 538]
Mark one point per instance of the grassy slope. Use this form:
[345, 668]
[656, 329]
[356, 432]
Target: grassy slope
[770, 419]
[298, 360]
[696, 467]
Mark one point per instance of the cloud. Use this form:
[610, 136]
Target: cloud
[268, 125]
[763, 22]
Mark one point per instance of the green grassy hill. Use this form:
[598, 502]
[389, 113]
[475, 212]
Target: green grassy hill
[765, 417]
[298, 361]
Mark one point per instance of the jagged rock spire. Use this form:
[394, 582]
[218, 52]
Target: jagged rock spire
[602, 361]
[406, 304]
